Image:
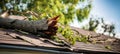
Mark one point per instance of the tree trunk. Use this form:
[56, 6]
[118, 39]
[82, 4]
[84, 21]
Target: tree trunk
[24, 25]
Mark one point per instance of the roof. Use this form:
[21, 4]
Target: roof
[8, 38]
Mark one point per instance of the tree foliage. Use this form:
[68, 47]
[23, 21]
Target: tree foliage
[93, 24]
[100, 23]
[68, 9]
[110, 28]
[71, 36]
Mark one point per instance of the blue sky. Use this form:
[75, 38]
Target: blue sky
[109, 10]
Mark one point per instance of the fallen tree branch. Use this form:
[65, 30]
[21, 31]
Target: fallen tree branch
[28, 26]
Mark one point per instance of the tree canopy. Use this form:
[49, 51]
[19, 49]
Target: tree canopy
[67, 9]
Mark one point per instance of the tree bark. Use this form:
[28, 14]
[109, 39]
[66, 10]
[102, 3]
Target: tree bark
[24, 25]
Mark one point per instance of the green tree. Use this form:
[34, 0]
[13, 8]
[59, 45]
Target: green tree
[99, 22]
[110, 28]
[93, 24]
[68, 9]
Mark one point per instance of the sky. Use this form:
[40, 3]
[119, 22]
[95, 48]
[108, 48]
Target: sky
[109, 10]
